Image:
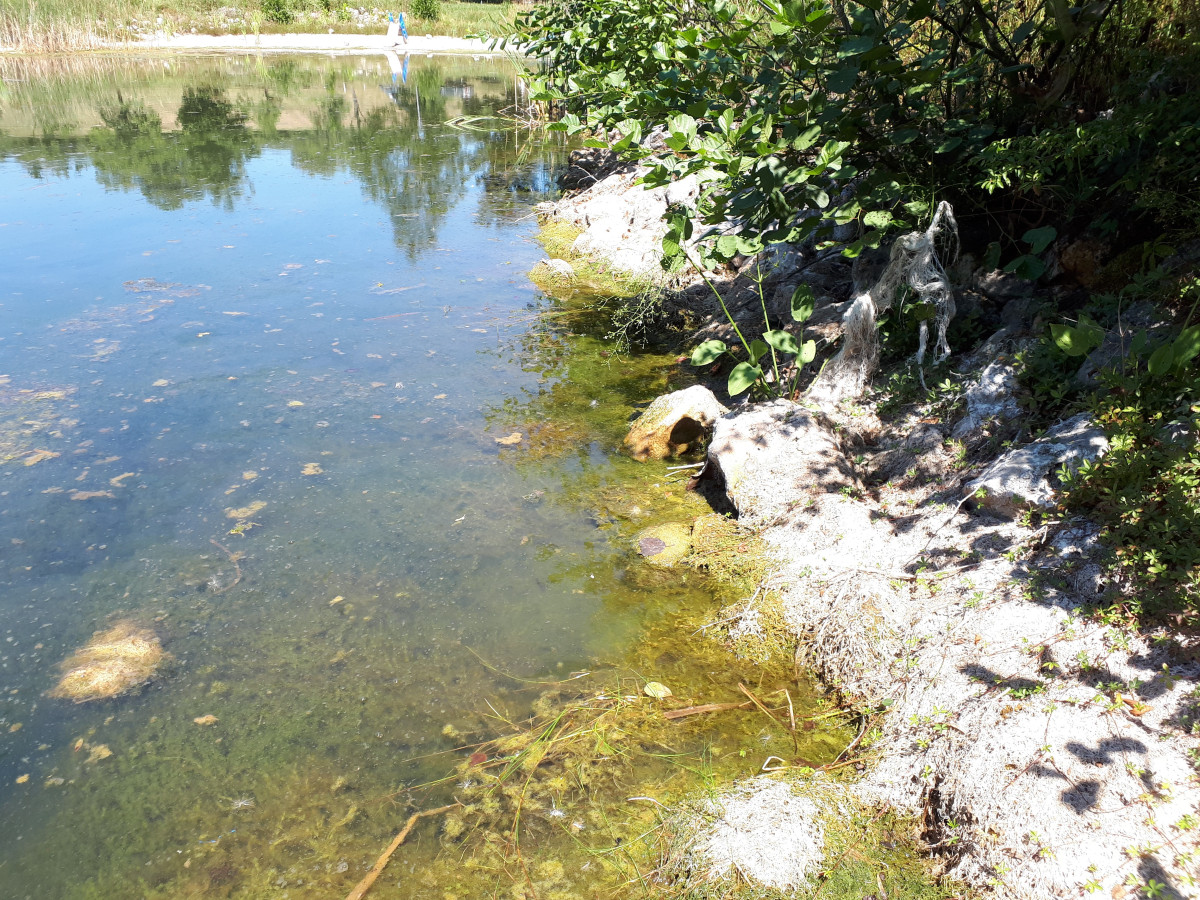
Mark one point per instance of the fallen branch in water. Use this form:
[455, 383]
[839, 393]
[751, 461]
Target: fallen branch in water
[360, 890]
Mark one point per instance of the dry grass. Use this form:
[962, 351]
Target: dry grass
[112, 663]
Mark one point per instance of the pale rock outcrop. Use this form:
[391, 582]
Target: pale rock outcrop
[773, 452]
[991, 400]
[1021, 478]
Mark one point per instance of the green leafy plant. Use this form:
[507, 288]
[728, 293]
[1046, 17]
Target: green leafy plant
[429, 10]
[278, 11]
[775, 341]
[1146, 490]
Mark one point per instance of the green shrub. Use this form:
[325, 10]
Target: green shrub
[1145, 493]
[429, 10]
[278, 11]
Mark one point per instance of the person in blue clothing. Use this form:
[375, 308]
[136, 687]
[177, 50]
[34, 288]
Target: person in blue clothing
[396, 27]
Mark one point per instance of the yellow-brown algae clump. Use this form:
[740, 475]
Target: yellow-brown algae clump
[245, 512]
[112, 663]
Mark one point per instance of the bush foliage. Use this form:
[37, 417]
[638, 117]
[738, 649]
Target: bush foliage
[817, 114]
[1034, 118]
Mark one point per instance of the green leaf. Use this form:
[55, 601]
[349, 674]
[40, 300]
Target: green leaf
[596, 143]
[854, 46]
[757, 349]
[1161, 360]
[682, 124]
[803, 302]
[1186, 346]
[1079, 340]
[743, 377]
[807, 137]
[1039, 239]
[1138, 345]
[949, 144]
[840, 80]
[991, 256]
[781, 341]
[727, 245]
[1027, 266]
[807, 353]
[877, 218]
[708, 352]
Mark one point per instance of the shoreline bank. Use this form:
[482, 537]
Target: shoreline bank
[1045, 753]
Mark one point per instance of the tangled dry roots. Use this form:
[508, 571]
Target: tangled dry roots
[914, 263]
[112, 663]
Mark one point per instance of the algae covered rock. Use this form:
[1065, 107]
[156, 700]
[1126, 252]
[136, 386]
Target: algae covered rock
[112, 663]
[664, 545]
[673, 423]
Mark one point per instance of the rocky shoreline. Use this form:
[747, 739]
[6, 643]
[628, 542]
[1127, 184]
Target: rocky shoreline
[926, 575]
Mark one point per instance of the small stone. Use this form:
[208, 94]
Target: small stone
[1021, 478]
[656, 690]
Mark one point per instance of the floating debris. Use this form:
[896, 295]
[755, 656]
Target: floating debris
[312, 469]
[37, 456]
[512, 440]
[97, 752]
[112, 663]
[209, 719]
[245, 512]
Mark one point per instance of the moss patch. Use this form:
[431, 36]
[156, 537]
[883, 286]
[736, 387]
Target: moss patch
[594, 278]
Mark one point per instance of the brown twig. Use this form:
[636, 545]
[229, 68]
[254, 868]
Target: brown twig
[233, 559]
[705, 708]
[360, 889]
[745, 690]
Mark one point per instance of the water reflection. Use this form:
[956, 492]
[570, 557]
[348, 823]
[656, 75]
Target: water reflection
[364, 117]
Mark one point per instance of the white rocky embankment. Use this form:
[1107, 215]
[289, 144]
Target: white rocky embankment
[1046, 754]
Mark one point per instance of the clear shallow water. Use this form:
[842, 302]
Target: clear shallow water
[286, 285]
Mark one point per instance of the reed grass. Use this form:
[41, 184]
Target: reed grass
[60, 26]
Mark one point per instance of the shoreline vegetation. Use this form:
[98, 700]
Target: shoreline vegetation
[437, 26]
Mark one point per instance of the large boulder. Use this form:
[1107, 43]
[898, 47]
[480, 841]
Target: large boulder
[674, 423]
[771, 453]
[1020, 479]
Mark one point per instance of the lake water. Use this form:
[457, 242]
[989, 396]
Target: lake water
[274, 384]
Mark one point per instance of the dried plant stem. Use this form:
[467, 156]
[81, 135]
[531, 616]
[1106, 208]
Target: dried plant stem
[360, 890]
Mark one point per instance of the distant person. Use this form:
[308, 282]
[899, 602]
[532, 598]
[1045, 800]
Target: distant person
[396, 28]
